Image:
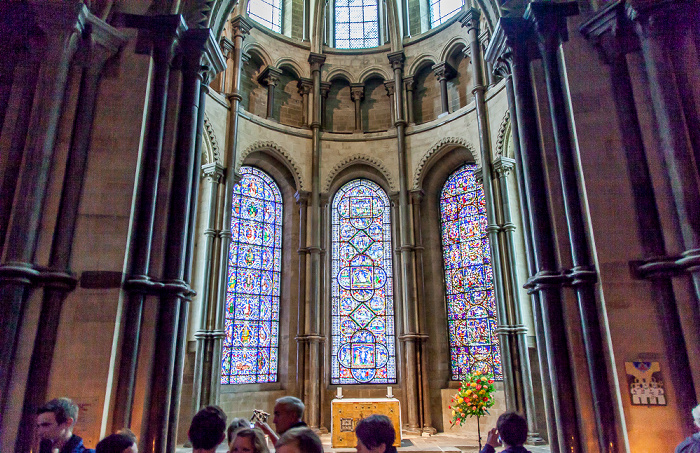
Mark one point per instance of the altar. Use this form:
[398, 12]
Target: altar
[346, 412]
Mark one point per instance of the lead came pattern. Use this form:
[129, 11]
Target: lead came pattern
[356, 24]
[471, 307]
[363, 342]
[252, 297]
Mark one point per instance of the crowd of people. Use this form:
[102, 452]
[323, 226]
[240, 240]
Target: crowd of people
[375, 434]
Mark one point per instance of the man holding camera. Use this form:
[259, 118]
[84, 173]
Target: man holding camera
[288, 413]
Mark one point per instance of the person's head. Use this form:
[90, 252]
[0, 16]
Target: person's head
[248, 440]
[696, 415]
[207, 429]
[236, 424]
[55, 420]
[116, 443]
[299, 440]
[128, 433]
[375, 434]
[288, 411]
[512, 428]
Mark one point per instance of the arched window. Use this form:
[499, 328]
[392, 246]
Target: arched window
[267, 13]
[441, 10]
[471, 307]
[356, 24]
[363, 344]
[253, 296]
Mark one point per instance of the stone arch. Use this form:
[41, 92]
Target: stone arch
[420, 62]
[373, 71]
[211, 152]
[503, 147]
[257, 49]
[452, 45]
[360, 159]
[339, 73]
[280, 154]
[295, 67]
[436, 152]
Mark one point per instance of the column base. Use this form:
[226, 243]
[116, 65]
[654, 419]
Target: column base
[410, 430]
[428, 431]
[534, 439]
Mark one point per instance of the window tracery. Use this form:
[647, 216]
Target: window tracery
[267, 13]
[441, 10]
[356, 24]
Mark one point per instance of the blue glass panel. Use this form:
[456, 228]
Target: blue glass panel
[252, 298]
[471, 306]
[362, 324]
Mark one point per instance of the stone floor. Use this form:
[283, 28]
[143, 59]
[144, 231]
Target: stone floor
[443, 442]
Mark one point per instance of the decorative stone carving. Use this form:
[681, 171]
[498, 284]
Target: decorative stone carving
[281, 153]
[447, 141]
[360, 159]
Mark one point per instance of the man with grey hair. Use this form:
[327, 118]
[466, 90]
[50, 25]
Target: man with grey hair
[288, 413]
[691, 444]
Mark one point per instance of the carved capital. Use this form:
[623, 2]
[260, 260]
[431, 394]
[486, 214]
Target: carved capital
[470, 20]
[305, 86]
[201, 52]
[240, 27]
[443, 71]
[396, 59]
[226, 46]
[503, 166]
[409, 83]
[610, 31]
[270, 76]
[389, 85]
[510, 38]
[214, 172]
[325, 89]
[357, 91]
[316, 61]
[549, 20]
[302, 197]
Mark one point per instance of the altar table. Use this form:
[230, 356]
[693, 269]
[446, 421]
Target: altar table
[346, 412]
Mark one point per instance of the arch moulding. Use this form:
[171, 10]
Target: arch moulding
[436, 151]
[211, 152]
[503, 136]
[280, 153]
[360, 159]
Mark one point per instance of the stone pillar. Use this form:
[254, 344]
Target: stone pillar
[389, 86]
[313, 329]
[443, 71]
[510, 41]
[549, 21]
[406, 267]
[212, 354]
[100, 45]
[270, 77]
[305, 86]
[357, 92]
[302, 198]
[166, 31]
[325, 90]
[226, 76]
[471, 22]
[610, 32]
[656, 37]
[410, 85]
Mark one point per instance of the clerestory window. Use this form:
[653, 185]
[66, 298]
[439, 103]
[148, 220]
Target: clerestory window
[267, 13]
[356, 24]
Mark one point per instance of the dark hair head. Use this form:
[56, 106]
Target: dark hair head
[114, 443]
[376, 430]
[303, 438]
[236, 424]
[513, 428]
[256, 437]
[207, 428]
[62, 408]
[128, 433]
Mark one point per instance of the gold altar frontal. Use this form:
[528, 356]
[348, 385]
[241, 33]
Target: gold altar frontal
[345, 413]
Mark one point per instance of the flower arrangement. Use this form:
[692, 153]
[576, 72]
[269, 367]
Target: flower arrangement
[473, 398]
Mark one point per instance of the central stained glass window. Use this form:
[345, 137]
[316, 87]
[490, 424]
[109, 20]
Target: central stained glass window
[471, 307]
[253, 293]
[363, 345]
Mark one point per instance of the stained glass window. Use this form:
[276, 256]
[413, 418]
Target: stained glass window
[363, 344]
[267, 13]
[356, 24]
[253, 293]
[471, 307]
[441, 10]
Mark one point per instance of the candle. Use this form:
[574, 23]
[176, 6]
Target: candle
[339, 392]
[389, 392]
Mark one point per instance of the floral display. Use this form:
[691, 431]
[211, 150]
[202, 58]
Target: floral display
[474, 397]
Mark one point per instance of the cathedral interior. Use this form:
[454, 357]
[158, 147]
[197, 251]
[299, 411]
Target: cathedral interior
[225, 202]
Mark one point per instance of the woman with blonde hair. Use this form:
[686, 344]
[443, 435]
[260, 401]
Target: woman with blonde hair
[248, 440]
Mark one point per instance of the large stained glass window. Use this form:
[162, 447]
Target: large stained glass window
[267, 13]
[441, 10]
[356, 24]
[363, 346]
[252, 296]
[471, 307]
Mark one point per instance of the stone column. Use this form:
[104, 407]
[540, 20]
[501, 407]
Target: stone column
[656, 36]
[471, 22]
[226, 76]
[166, 31]
[511, 40]
[302, 198]
[270, 77]
[443, 71]
[62, 24]
[305, 86]
[549, 21]
[313, 329]
[611, 34]
[239, 28]
[406, 267]
[357, 92]
[102, 43]
[389, 86]
[410, 85]
[325, 90]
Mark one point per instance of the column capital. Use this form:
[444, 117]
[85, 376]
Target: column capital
[409, 83]
[484, 38]
[416, 196]
[389, 85]
[549, 19]
[316, 61]
[270, 76]
[663, 19]
[213, 171]
[240, 27]
[199, 47]
[503, 166]
[226, 45]
[305, 86]
[443, 71]
[325, 89]
[302, 197]
[610, 32]
[357, 91]
[396, 59]
[511, 35]
[470, 19]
